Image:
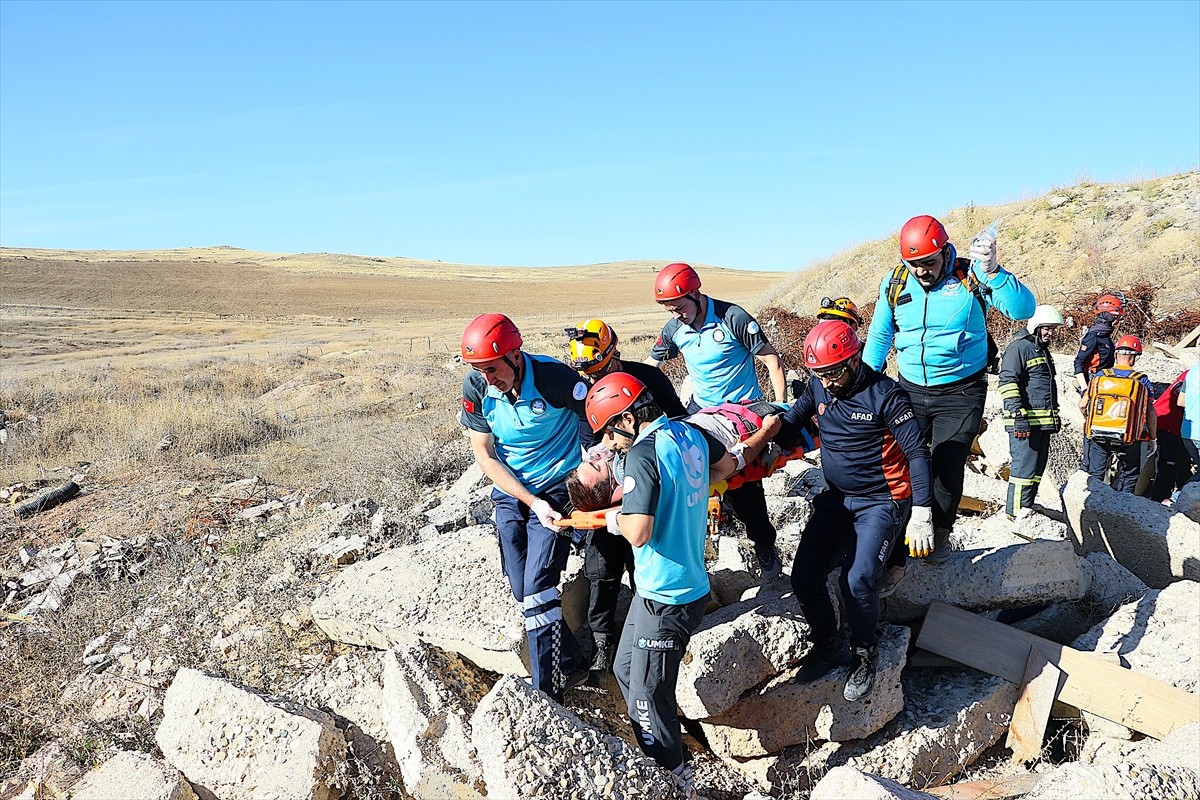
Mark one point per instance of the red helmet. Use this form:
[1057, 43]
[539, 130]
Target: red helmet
[1130, 343]
[921, 237]
[674, 281]
[612, 395]
[1110, 303]
[489, 337]
[830, 343]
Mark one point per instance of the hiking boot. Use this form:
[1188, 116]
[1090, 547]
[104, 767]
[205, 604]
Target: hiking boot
[862, 673]
[684, 778]
[829, 653]
[577, 678]
[602, 657]
[941, 547]
[769, 567]
[891, 579]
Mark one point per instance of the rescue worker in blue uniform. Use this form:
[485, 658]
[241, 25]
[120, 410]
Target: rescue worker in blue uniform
[668, 467]
[522, 417]
[720, 343]
[1030, 395]
[878, 471]
[938, 324]
[593, 350]
[1096, 351]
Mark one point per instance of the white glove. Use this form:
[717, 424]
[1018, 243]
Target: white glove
[1151, 448]
[610, 522]
[545, 514]
[919, 533]
[983, 250]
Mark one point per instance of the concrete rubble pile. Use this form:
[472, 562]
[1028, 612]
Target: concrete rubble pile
[48, 574]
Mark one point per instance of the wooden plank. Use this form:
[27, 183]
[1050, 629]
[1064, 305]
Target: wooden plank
[924, 658]
[1191, 338]
[1089, 682]
[998, 789]
[1027, 729]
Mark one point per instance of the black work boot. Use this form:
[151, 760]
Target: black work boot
[602, 657]
[829, 653]
[862, 673]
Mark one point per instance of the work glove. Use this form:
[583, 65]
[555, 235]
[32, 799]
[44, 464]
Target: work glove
[545, 513]
[1020, 425]
[1080, 384]
[983, 250]
[919, 533]
[1151, 448]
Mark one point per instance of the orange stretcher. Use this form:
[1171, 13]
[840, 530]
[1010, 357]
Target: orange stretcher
[584, 520]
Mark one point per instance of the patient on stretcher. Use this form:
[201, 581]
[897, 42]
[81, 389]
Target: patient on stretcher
[595, 483]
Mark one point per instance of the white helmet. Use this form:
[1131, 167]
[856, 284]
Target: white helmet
[1042, 316]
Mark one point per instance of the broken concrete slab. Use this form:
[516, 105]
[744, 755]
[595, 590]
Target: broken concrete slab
[842, 782]
[1149, 539]
[428, 701]
[1006, 577]
[530, 746]
[130, 774]
[233, 743]
[782, 713]
[731, 575]
[1117, 782]
[950, 718]
[737, 648]
[449, 591]
[1188, 501]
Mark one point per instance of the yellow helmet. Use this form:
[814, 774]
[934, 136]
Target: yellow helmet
[842, 308]
[592, 344]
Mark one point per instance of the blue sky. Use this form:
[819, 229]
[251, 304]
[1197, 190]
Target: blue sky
[758, 136]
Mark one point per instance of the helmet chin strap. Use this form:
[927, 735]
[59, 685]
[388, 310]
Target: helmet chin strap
[512, 393]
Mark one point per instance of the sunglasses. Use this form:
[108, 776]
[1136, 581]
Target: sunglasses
[833, 373]
[924, 263]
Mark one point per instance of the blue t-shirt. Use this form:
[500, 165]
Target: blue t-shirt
[538, 436]
[719, 356]
[666, 476]
[1190, 427]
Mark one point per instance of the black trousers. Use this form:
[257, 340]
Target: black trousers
[949, 417]
[607, 557]
[1029, 457]
[749, 504]
[653, 643]
[1174, 467]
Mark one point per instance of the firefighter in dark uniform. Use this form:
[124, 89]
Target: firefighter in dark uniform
[593, 351]
[1096, 351]
[880, 486]
[1030, 398]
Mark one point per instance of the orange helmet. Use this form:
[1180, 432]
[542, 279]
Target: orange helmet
[842, 308]
[489, 337]
[830, 343]
[612, 395]
[592, 344]
[1110, 303]
[921, 237]
[1129, 344]
[675, 281]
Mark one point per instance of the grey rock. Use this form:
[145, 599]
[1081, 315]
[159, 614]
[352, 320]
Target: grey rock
[843, 782]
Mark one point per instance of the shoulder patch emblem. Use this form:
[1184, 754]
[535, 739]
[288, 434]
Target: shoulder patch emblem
[821, 408]
[1082, 347]
[468, 406]
[580, 391]
[753, 327]
[538, 406]
[718, 335]
[629, 484]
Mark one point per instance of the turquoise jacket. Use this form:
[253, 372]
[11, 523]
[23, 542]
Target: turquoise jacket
[941, 335]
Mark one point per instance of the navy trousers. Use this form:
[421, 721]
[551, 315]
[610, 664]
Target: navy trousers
[866, 531]
[534, 557]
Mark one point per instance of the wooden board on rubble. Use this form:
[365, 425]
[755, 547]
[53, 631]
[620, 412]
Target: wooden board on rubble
[1089, 682]
[1039, 687]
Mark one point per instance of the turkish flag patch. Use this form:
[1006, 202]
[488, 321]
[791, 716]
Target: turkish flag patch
[468, 406]
[658, 342]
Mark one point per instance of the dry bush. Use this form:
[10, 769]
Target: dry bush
[1141, 317]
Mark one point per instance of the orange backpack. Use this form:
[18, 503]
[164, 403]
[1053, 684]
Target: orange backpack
[1117, 408]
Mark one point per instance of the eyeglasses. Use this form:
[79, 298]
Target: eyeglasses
[833, 373]
[924, 263]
